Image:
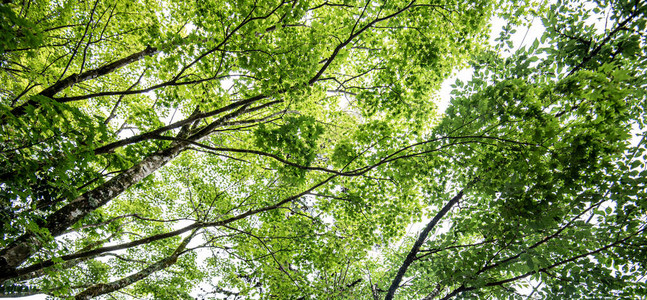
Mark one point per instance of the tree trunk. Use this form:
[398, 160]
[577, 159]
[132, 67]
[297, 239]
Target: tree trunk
[22, 248]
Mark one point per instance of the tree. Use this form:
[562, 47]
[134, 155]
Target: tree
[556, 195]
[103, 94]
[305, 138]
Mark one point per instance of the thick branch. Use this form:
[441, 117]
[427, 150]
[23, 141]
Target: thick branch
[416, 246]
[90, 74]
[195, 117]
[104, 288]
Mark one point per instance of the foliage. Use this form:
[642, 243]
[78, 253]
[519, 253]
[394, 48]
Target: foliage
[541, 145]
[280, 149]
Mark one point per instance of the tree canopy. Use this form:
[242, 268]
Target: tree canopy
[168, 149]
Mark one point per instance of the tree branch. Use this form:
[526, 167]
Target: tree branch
[416, 246]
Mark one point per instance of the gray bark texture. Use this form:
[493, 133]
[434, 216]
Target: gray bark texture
[22, 248]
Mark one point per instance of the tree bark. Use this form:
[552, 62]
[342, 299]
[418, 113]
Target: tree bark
[14, 254]
[416, 246]
[22, 248]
